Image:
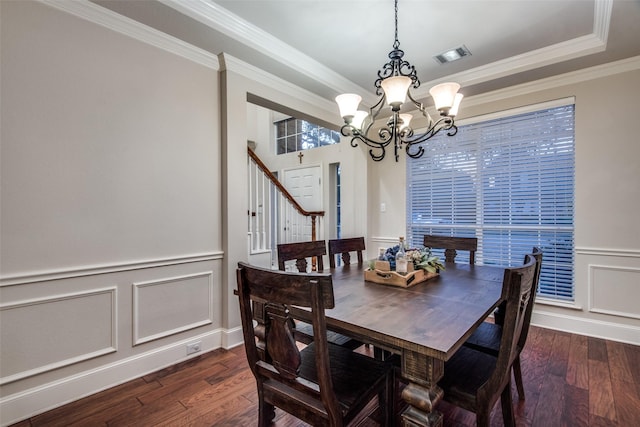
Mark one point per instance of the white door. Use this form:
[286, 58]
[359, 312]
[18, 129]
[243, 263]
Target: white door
[305, 185]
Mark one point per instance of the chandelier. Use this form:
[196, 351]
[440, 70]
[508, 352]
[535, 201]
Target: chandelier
[392, 85]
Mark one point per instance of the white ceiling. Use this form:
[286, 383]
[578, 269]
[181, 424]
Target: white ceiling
[335, 46]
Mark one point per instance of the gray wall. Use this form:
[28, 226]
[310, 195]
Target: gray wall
[111, 241]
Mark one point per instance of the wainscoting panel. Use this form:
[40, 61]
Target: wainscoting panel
[610, 288]
[168, 306]
[56, 331]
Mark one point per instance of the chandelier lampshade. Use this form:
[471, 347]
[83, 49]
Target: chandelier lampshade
[395, 81]
[359, 119]
[395, 90]
[405, 120]
[348, 104]
[456, 104]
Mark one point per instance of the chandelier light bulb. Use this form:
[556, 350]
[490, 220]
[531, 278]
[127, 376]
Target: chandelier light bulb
[395, 89]
[348, 105]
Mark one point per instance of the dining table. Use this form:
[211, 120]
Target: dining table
[423, 325]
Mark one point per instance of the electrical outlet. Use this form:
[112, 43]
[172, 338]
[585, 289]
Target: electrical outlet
[194, 347]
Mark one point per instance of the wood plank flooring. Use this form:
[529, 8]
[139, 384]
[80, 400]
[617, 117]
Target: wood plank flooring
[570, 380]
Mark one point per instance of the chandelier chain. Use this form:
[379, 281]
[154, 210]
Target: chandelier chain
[396, 43]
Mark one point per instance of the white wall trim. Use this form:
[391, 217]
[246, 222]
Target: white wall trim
[134, 29]
[586, 74]
[591, 286]
[570, 305]
[111, 348]
[624, 253]
[222, 20]
[90, 270]
[559, 52]
[232, 337]
[585, 326]
[230, 63]
[137, 339]
[25, 404]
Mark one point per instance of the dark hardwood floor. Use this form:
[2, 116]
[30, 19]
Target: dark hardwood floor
[570, 380]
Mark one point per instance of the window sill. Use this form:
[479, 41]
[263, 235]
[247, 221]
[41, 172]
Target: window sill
[556, 303]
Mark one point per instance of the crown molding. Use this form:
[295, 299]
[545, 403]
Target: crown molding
[230, 63]
[559, 52]
[586, 74]
[123, 25]
[220, 19]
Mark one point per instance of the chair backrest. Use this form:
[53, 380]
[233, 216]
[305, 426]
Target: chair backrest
[343, 247]
[451, 245]
[300, 251]
[537, 255]
[518, 286]
[274, 357]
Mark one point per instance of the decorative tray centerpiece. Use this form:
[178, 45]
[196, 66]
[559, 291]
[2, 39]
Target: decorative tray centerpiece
[422, 265]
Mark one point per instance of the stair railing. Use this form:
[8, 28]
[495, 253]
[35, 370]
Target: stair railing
[274, 216]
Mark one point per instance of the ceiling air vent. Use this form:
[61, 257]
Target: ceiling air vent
[452, 55]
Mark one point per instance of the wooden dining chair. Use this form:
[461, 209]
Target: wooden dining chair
[300, 252]
[343, 247]
[474, 380]
[322, 384]
[451, 245]
[488, 336]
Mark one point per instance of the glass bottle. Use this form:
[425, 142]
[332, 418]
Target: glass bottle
[401, 258]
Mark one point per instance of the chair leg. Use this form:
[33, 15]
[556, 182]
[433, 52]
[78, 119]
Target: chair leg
[386, 402]
[266, 411]
[507, 407]
[517, 374]
[483, 418]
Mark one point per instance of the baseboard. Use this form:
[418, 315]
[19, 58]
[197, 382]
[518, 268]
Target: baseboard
[19, 406]
[588, 327]
[232, 338]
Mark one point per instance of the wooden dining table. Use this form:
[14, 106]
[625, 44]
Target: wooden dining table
[424, 324]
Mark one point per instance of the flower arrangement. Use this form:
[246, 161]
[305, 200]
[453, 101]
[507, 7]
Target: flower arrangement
[422, 259]
[425, 260]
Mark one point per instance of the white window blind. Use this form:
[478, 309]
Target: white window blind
[510, 183]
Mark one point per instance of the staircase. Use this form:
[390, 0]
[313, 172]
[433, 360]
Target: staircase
[274, 216]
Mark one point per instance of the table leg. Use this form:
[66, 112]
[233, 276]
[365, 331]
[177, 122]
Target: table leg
[422, 393]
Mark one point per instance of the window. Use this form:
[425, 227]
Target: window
[296, 135]
[508, 181]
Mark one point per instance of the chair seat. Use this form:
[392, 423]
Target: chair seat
[353, 374]
[466, 371]
[486, 338]
[304, 334]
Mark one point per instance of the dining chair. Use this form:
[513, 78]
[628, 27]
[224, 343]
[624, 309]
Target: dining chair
[322, 384]
[300, 251]
[343, 247]
[474, 380]
[451, 245]
[488, 336]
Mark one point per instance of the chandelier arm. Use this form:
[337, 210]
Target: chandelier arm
[444, 123]
[374, 111]
[386, 135]
[415, 155]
